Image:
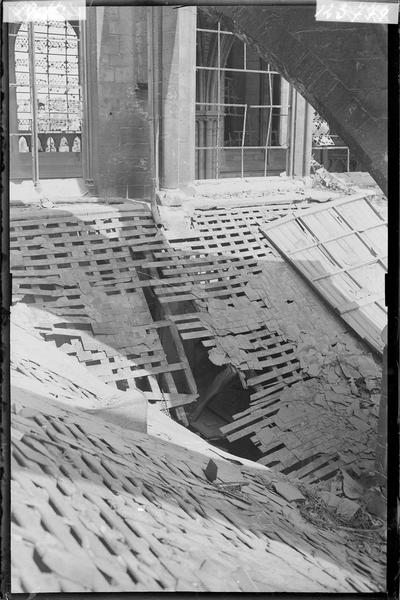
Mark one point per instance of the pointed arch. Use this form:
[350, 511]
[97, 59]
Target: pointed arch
[64, 146]
[23, 144]
[50, 145]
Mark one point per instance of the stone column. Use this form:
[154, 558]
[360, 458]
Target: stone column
[178, 97]
[121, 150]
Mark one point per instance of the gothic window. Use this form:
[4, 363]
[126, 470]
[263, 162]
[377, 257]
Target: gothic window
[242, 107]
[58, 95]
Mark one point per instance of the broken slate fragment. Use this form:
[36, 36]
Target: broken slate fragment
[330, 499]
[287, 491]
[376, 504]
[351, 488]
[348, 370]
[291, 331]
[229, 473]
[359, 424]
[347, 509]
[211, 470]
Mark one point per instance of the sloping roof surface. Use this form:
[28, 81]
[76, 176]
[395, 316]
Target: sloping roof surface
[99, 507]
[341, 248]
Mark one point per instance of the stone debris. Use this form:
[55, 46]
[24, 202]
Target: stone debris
[331, 500]
[324, 180]
[353, 501]
[287, 491]
[230, 474]
[376, 504]
[347, 509]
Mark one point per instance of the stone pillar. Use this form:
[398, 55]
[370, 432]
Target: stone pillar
[300, 138]
[119, 95]
[178, 97]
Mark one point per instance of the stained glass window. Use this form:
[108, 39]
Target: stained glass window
[329, 150]
[59, 102]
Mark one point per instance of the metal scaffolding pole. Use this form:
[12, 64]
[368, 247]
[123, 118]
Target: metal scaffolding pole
[34, 123]
[269, 123]
[218, 99]
[291, 132]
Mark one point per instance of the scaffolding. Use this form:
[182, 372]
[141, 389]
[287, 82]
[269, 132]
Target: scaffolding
[217, 110]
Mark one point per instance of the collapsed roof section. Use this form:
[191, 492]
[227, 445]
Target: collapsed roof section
[82, 267]
[125, 301]
[314, 386]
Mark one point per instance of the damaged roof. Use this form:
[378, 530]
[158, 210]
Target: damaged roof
[113, 284]
[100, 507]
[314, 385]
[108, 492]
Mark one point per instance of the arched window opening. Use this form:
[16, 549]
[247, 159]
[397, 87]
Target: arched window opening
[242, 107]
[64, 147]
[23, 144]
[76, 146]
[50, 145]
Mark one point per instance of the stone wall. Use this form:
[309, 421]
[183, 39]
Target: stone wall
[126, 102]
[341, 69]
[121, 124]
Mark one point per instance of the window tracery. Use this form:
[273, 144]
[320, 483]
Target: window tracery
[59, 103]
